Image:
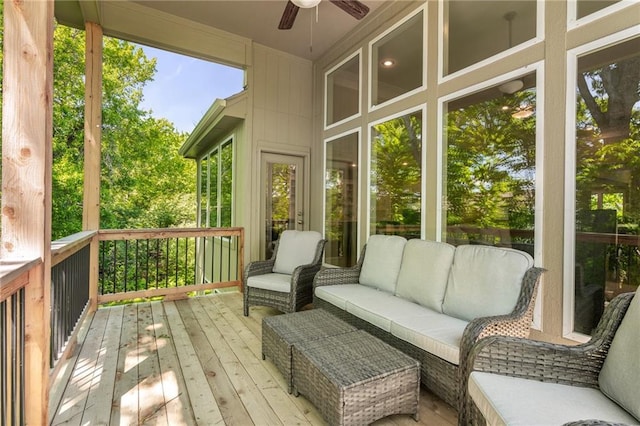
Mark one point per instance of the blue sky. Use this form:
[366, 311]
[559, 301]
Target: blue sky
[184, 87]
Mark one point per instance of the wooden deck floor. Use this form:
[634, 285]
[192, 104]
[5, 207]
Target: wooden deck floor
[189, 362]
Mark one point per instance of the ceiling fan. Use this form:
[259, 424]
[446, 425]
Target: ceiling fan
[353, 7]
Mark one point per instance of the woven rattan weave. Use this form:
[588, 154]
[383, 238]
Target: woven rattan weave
[355, 378]
[281, 332]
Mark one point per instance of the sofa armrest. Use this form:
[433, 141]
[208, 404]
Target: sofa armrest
[335, 276]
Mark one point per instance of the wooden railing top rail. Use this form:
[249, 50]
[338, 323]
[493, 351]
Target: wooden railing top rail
[133, 234]
[14, 275]
[67, 246]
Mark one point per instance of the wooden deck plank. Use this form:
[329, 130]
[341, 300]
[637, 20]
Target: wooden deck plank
[151, 401]
[74, 399]
[282, 404]
[173, 385]
[236, 320]
[228, 397]
[203, 403]
[192, 354]
[124, 409]
[103, 384]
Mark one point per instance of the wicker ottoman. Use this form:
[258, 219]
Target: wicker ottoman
[281, 332]
[355, 378]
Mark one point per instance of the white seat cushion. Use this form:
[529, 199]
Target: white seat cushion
[273, 282]
[338, 295]
[424, 272]
[620, 375]
[433, 332]
[381, 263]
[295, 248]
[381, 308]
[505, 400]
[484, 281]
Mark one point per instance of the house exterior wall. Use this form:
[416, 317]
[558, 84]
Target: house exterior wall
[548, 52]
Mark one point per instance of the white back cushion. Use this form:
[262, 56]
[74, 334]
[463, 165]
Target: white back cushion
[382, 260]
[295, 248]
[424, 272]
[620, 375]
[484, 281]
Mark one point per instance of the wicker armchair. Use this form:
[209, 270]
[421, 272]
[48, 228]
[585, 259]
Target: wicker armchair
[285, 282]
[578, 366]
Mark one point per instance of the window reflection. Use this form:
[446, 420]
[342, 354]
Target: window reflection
[587, 7]
[341, 201]
[397, 60]
[343, 91]
[479, 29]
[396, 176]
[490, 166]
[607, 222]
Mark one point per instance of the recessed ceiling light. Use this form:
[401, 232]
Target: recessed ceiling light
[388, 63]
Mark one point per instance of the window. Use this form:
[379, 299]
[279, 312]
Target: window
[341, 200]
[397, 61]
[343, 91]
[607, 179]
[490, 166]
[216, 187]
[587, 7]
[477, 30]
[396, 176]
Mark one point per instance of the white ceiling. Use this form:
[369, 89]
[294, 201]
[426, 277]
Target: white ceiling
[254, 19]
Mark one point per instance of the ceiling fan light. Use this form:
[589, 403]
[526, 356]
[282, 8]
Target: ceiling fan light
[511, 87]
[306, 4]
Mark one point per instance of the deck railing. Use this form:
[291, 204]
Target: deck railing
[14, 278]
[168, 262]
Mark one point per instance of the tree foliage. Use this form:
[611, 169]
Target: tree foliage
[144, 181]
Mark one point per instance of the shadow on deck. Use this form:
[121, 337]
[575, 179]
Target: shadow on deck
[189, 362]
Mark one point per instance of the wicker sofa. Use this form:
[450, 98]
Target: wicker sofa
[518, 381]
[432, 300]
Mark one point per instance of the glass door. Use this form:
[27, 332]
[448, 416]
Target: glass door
[281, 198]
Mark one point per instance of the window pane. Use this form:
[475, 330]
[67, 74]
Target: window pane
[341, 201]
[480, 29]
[343, 91]
[396, 176]
[204, 194]
[587, 7]
[607, 223]
[213, 188]
[226, 187]
[397, 61]
[490, 167]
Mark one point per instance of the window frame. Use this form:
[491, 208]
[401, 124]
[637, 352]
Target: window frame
[568, 303]
[217, 151]
[538, 68]
[421, 108]
[371, 107]
[539, 37]
[572, 13]
[358, 114]
[354, 131]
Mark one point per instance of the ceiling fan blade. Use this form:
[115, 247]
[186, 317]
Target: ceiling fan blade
[288, 16]
[353, 7]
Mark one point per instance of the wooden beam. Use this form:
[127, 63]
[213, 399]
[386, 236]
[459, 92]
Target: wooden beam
[26, 178]
[92, 149]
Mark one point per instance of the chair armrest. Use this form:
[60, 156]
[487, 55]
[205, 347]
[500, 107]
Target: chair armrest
[577, 365]
[516, 324]
[258, 267]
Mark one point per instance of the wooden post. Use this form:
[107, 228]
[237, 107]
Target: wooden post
[92, 143]
[26, 178]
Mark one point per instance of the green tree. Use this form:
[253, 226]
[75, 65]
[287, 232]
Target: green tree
[144, 182]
